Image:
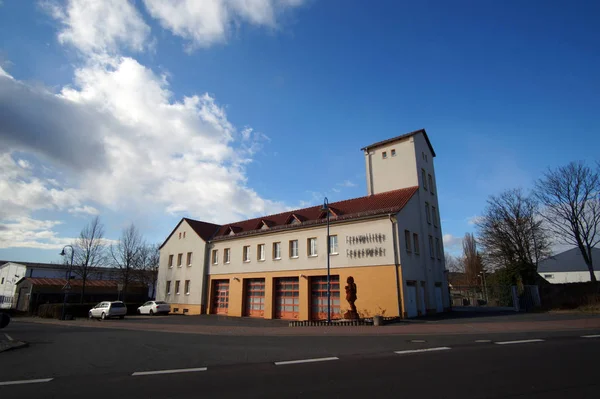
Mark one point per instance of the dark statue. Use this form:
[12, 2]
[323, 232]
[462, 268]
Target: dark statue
[351, 298]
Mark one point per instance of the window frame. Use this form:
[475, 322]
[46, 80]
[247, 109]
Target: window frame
[214, 257]
[186, 287]
[424, 178]
[246, 254]
[177, 286]
[309, 249]
[227, 255]
[168, 288]
[292, 242]
[189, 259]
[407, 245]
[261, 254]
[170, 261]
[431, 249]
[180, 260]
[384, 155]
[438, 248]
[333, 237]
[427, 212]
[277, 253]
[434, 216]
[416, 248]
[431, 184]
[393, 152]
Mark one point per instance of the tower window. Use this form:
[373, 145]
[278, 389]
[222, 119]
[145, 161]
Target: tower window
[384, 155]
[393, 153]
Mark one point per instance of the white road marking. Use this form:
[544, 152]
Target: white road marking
[9, 337]
[320, 359]
[591, 336]
[418, 340]
[441, 348]
[138, 373]
[26, 381]
[483, 341]
[524, 341]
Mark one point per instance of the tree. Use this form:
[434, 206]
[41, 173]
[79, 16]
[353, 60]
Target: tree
[125, 254]
[512, 236]
[146, 267]
[473, 264]
[453, 264]
[571, 198]
[89, 252]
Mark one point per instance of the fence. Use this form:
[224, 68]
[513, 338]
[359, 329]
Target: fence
[525, 298]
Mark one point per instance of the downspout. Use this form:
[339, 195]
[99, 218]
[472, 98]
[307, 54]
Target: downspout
[370, 173]
[396, 264]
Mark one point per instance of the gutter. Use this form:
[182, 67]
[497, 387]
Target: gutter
[396, 263]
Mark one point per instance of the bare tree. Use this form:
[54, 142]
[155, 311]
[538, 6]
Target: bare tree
[89, 252]
[512, 236]
[146, 267]
[125, 254]
[473, 264]
[453, 264]
[571, 198]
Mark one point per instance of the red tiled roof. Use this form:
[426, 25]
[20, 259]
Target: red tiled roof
[404, 136]
[60, 282]
[388, 202]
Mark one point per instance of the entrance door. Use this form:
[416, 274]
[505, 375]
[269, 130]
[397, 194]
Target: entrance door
[287, 298]
[422, 297]
[439, 304]
[411, 301]
[220, 296]
[319, 297]
[254, 299]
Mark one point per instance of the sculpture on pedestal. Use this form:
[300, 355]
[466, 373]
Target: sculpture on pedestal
[351, 298]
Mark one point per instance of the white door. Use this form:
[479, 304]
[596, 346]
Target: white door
[439, 304]
[411, 301]
[422, 297]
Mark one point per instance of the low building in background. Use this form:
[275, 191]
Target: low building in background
[274, 266]
[568, 267]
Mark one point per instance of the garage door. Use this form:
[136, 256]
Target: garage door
[319, 297]
[411, 301]
[287, 298]
[254, 299]
[220, 296]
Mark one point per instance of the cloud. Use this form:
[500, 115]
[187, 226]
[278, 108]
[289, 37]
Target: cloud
[99, 26]
[24, 232]
[452, 243]
[347, 183]
[86, 209]
[207, 22]
[473, 220]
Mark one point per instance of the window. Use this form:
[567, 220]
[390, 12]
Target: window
[312, 247]
[333, 245]
[246, 253]
[427, 213]
[438, 248]
[407, 239]
[416, 242]
[170, 260]
[168, 288]
[431, 247]
[293, 248]
[179, 259]
[548, 275]
[215, 257]
[434, 216]
[189, 258]
[260, 252]
[276, 250]
[184, 234]
[384, 155]
[2, 280]
[177, 287]
[424, 178]
[393, 153]
[180, 235]
[227, 255]
[430, 184]
[187, 287]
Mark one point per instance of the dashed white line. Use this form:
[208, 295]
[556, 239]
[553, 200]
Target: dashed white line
[9, 337]
[483, 341]
[26, 381]
[591, 336]
[418, 341]
[320, 359]
[524, 341]
[441, 348]
[192, 370]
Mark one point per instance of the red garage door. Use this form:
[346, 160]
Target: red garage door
[319, 297]
[220, 296]
[287, 298]
[254, 299]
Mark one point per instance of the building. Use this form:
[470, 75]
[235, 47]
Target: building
[12, 273]
[568, 267]
[389, 241]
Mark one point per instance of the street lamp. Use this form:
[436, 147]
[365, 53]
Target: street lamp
[66, 287]
[326, 209]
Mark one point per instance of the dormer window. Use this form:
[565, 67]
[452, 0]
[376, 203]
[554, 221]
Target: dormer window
[293, 219]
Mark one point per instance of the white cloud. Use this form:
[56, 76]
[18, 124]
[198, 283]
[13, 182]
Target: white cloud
[452, 244]
[347, 183]
[473, 220]
[100, 25]
[24, 232]
[86, 209]
[207, 22]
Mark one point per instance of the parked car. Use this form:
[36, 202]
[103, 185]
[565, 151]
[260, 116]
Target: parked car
[105, 310]
[154, 307]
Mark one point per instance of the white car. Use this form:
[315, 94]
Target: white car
[105, 310]
[154, 307]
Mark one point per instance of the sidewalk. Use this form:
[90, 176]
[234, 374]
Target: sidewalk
[401, 328]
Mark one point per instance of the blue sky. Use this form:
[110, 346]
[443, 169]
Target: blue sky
[146, 111]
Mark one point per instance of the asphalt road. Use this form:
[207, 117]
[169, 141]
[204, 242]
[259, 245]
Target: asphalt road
[87, 362]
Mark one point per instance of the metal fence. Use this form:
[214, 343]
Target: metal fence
[524, 298]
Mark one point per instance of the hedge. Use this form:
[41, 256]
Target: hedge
[54, 310]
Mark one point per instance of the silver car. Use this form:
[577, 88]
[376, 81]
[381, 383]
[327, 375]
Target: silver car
[154, 307]
[105, 310]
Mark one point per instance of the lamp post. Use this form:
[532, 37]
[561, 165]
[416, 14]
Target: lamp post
[66, 287]
[326, 209]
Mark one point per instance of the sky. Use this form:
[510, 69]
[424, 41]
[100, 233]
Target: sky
[148, 111]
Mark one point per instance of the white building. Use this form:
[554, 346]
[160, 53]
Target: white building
[274, 266]
[569, 267]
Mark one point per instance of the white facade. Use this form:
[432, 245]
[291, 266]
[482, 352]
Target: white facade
[569, 277]
[10, 274]
[569, 267]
